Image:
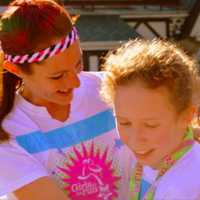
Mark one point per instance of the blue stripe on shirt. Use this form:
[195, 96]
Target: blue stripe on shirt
[144, 187]
[69, 135]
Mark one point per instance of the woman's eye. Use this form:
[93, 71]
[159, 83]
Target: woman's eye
[151, 125]
[57, 77]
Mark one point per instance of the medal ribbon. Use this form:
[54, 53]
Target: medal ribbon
[167, 162]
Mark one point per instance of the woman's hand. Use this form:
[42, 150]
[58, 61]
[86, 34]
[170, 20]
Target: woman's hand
[41, 189]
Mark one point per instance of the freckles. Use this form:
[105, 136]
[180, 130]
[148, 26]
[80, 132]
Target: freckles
[163, 139]
[158, 138]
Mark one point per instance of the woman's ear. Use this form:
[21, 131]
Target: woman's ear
[12, 68]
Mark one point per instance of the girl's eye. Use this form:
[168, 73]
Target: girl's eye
[151, 125]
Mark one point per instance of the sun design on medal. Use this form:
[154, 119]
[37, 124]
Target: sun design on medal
[90, 175]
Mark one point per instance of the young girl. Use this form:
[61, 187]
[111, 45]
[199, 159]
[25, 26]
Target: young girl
[150, 84]
[58, 139]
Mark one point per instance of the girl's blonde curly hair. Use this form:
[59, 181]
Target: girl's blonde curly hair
[156, 63]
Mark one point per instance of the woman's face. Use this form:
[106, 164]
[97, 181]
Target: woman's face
[54, 80]
[148, 122]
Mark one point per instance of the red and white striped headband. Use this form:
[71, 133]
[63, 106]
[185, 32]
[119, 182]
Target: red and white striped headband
[45, 53]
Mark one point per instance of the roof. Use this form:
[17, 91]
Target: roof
[104, 28]
[122, 2]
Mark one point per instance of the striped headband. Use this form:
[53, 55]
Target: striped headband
[45, 53]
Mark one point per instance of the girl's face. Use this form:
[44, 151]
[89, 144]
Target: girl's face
[53, 81]
[148, 123]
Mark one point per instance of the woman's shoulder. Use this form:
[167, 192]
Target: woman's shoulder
[18, 167]
[90, 86]
[18, 122]
[92, 78]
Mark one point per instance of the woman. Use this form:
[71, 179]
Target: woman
[58, 139]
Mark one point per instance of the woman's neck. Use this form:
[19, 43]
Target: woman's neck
[56, 111]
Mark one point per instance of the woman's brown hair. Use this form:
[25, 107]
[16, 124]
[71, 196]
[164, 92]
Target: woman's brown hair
[26, 27]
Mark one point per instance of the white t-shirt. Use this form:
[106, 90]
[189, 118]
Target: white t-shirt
[181, 182]
[80, 154]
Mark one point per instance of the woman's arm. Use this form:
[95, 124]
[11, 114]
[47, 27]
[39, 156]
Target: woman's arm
[41, 189]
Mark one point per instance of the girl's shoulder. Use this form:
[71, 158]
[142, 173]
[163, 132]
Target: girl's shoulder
[183, 179]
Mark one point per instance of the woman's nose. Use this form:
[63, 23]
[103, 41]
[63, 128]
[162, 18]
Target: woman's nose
[72, 80]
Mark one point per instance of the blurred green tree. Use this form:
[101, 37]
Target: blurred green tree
[5, 2]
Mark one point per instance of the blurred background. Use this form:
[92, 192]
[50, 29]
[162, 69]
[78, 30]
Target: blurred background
[105, 24]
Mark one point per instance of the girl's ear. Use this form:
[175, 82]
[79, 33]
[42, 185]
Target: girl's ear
[188, 115]
[12, 68]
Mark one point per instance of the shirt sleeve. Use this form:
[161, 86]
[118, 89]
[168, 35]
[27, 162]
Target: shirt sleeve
[17, 168]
